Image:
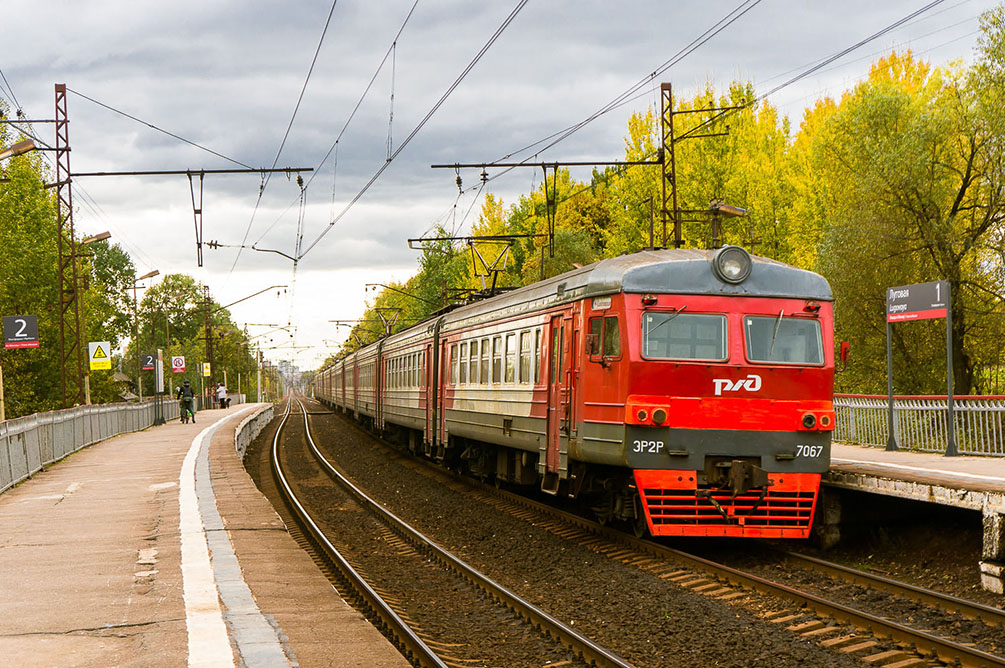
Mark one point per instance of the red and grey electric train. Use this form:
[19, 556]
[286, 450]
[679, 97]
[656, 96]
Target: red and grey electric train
[689, 392]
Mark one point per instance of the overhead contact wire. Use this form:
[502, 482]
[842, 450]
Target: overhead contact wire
[352, 114]
[435, 108]
[289, 126]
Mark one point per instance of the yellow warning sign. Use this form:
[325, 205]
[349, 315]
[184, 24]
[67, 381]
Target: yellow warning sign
[97, 355]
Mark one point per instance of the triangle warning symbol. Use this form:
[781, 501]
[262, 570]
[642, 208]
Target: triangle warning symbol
[99, 354]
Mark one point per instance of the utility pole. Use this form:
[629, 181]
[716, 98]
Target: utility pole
[69, 308]
[207, 304]
[670, 208]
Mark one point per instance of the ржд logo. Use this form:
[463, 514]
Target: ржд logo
[752, 383]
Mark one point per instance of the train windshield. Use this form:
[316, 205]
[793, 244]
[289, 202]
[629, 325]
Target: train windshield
[784, 340]
[684, 336]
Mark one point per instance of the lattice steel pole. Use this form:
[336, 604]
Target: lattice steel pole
[669, 167]
[71, 371]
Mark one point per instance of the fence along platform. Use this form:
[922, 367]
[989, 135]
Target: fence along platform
[30, 443]
[920, 424]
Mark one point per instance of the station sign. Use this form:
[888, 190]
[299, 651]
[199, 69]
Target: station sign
[206, 369]
[177, 364]
[922, 301]
[99, 355]
[147, 363]
[20, 331]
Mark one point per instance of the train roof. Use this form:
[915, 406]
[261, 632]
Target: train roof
[674, 271]
[666, 271]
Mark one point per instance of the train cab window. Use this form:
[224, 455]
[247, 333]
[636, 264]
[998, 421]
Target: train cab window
[510, 354]
[453, 364]
[684, 336]
[464, 364]
[497, 359]
[604, 339]
[485, 362]
[525, 357]
[783, 340]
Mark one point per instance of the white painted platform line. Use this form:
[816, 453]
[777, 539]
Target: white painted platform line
[208, 643]
[211, 574]
[920, 469]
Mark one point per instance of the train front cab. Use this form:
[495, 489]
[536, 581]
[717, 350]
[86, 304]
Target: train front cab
[726, 409]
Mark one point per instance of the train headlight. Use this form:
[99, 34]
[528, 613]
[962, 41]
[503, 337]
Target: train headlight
[731, 264]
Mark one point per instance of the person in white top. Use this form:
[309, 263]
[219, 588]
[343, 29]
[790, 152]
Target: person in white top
[221, 395]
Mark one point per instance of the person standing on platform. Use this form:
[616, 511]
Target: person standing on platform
[221, 395]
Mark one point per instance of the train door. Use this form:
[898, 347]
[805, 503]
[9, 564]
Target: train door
[441, 401]
[559, 368]
[428, 392]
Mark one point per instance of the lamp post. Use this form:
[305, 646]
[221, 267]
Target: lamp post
[19, 148]
[136, 331]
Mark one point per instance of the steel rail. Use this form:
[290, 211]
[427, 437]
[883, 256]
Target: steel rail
[936, 599]
[946, 650]
[413, 646]
[586, 648]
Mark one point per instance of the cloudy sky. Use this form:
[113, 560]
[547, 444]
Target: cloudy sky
[227, 76]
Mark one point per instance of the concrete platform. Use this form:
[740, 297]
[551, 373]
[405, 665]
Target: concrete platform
[975, 483]
[156, 549]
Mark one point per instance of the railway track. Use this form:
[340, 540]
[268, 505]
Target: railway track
[710, 576]
[705, 575]
[422, 648]
[833, 624]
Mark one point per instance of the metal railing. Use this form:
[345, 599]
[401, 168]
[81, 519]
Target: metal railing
[30, 443]
[920, 422]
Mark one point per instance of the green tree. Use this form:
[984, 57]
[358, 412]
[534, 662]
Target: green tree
[915, 195]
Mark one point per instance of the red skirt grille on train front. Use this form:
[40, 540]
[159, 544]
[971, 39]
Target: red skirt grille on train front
[675, 505]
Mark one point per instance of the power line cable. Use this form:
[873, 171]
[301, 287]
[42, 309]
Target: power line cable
[282, 144]
[10, 90]
[831, 59]
[619, 100]
[630, 94]
[509, 19]
[816, 66]
[345, 126]
[154, 127]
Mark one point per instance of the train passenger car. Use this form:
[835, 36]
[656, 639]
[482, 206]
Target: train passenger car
[689, 392]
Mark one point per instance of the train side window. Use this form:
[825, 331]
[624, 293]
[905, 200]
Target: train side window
[464, 364]
[453, 364]
[497, 359]
[525, 356]
[604, 338]
[612, 337]
[510, 357]
[473, 363]
[594, 337]
[556, 353]
[485, 362]
[537, 355]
